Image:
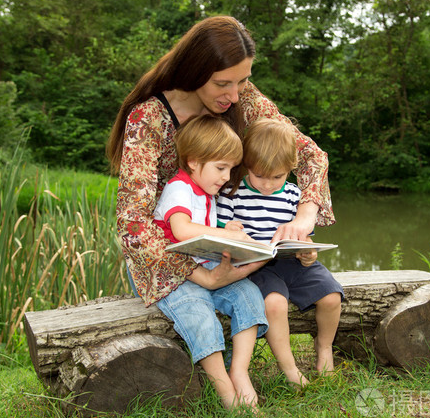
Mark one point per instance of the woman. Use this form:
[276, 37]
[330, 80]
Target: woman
[206, 72]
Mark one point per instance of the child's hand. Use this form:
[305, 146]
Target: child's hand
[308, 258]
[234, 226]
[238, 235]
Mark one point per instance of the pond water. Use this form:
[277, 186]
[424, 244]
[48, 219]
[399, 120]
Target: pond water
[368, 227]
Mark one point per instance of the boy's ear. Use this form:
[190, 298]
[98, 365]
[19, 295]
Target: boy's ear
[193, 164]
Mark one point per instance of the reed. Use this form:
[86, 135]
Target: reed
[425, 259]
[63, 251]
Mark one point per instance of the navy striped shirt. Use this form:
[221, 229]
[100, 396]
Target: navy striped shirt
[259, 214]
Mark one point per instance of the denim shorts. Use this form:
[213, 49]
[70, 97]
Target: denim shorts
[302, 285]
[192, 309]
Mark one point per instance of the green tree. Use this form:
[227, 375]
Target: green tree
[70, 86]
[11, 127]
[379, 97]
[357, 84]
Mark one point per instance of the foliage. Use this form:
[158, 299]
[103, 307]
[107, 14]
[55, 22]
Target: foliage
[66, 186]
[72, 85]
[397, 257]
[424, 258]
[353, 73]
[356, 82]
[377, 105]
[11, 128]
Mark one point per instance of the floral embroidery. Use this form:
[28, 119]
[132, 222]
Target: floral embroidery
[136, 116]
[135, 228]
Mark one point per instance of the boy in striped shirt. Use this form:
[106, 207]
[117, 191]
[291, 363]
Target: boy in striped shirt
[262, 203]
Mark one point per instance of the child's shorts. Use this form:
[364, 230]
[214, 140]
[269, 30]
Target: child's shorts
[302, 285]
[192, 309]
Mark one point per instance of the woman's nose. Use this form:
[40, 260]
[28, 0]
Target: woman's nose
[233, 94]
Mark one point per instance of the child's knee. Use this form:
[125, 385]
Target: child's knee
[276, 304]
[330, 302]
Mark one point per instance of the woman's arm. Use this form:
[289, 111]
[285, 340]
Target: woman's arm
[146, 148]
[312, 171]
[301, 226]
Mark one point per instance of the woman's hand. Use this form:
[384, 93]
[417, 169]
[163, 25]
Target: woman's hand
[301, 226]
[224, 274]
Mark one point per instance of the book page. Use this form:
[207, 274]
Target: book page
[211, 248]
[291, 243]
[289, 248]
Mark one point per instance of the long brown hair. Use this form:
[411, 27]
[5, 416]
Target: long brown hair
[212, 45]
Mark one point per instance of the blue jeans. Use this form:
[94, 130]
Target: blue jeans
[192, 309]
[132, 285]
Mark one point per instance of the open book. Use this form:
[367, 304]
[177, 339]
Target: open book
[243, 252]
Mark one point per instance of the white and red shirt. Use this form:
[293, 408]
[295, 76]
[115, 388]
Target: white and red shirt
[181, 194]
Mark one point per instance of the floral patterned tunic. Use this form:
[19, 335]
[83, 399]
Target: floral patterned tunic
[149, 161]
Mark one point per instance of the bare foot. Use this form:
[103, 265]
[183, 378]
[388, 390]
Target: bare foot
[325, 363]
[245, 391]
[228, 397]
[296, 376]
[248, 411]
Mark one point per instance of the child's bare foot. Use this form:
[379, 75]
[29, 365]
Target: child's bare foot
[295, 376]
[248, 411]
[245, 391]
[325, 364]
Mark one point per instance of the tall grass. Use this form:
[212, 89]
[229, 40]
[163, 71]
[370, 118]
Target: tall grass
[424, 258]
[63, 250]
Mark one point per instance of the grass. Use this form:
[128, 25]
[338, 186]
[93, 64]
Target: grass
[356, 390]
[65, 184]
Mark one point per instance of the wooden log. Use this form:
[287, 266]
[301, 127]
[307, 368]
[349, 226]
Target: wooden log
[107, 376]
[402, 337]
[78, 348]
[53, 334]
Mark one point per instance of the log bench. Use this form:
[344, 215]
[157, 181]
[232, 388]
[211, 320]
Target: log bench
[107, 351]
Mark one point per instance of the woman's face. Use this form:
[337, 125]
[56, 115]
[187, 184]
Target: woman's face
[223, 88]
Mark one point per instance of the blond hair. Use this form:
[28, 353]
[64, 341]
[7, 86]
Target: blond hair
[269, 147]
[207, 138]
